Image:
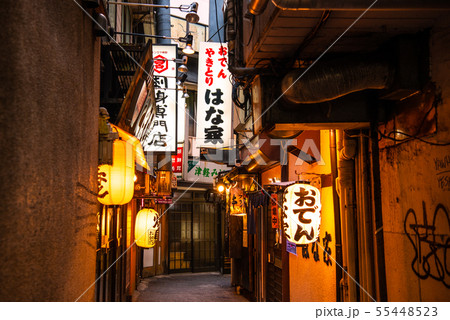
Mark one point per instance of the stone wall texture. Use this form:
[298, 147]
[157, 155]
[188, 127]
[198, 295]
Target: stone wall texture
[415, 178]
[49, 97]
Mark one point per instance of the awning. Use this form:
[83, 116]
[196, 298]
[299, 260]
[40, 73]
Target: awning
[137, 147]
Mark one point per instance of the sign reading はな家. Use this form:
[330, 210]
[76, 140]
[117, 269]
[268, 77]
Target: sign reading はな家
[214, 105]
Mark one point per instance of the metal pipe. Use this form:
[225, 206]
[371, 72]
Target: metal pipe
[359, 235]
[134, 4]
[144, 35]
[377, 214]
[366, 215]
[343, 212]
[346, 187]
[163, 26]
[361, 4]
[337, 215]
[256, 7]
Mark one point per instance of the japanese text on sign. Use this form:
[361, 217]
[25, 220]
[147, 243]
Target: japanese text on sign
[301, 216]
[162, 136]
[237, 201]
[214, 96]
[177, 161]
[274, 210]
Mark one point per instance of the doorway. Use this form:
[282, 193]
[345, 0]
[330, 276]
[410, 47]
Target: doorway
[193, 236]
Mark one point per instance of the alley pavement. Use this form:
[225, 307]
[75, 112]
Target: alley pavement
[188, 287]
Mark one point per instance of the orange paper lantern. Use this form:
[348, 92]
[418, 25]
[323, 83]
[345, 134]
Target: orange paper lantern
[146, 228]
[116, 181]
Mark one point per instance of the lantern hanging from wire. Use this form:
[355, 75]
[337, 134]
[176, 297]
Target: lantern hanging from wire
[116, 181]
[146, 230]
[301, 216]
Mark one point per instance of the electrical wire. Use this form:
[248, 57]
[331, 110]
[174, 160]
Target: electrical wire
[218, 31]
[253, 29]
[217, 23]
[412, 137]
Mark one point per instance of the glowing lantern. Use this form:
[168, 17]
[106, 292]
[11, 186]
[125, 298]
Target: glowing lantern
[146, 230]
[301, 217]
[116, 181]
[237, 201]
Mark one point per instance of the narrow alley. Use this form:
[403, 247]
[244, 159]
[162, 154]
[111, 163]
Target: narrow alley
[291, 151]
[188, 287]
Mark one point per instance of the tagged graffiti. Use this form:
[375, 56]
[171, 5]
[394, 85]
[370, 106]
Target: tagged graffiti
[442, 167]
[430, 243]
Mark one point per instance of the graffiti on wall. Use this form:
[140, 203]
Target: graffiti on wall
[430, 243]
[442, 167]
[326, 250]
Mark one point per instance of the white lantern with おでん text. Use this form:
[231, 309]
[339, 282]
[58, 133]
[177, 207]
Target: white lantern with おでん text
[301, 217]
[146, 229]
[116, 181]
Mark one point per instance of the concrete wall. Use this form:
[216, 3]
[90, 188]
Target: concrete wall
[312, 280]
[49, 96]
[415, 181]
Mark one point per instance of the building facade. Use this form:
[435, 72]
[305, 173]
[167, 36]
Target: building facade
[350, 99]
[49, 127]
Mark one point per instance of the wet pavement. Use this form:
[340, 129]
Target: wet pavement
[188, 287]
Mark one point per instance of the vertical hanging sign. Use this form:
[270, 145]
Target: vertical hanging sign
[177, 161]
[214, 105]
[181, 116]
[163, 127]
[274, 210]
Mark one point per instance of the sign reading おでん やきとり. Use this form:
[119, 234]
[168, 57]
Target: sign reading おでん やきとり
[214, 96]
[163, 127]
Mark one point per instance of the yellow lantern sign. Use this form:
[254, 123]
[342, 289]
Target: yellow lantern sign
[116, 181]
[301, 217]
[237, 201]
[146, 229]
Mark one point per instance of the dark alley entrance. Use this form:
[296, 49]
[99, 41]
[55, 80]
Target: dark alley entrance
[193, 235]
[188, 287]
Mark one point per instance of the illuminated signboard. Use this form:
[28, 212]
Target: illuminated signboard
[237, 201]
[214, 105]
[177, 161]
[162, 129]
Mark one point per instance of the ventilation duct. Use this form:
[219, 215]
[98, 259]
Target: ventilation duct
[333, 79]
[359, 4]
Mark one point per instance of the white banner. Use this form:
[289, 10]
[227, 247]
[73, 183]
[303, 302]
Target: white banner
[181, 116]
[214, 104]
[163, 129]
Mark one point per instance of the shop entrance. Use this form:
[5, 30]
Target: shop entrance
[193, 235]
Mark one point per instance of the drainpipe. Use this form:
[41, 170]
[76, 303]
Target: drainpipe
[163, 21]
[347, 151]
[380, 273]
[164, 162]
[337, 215]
